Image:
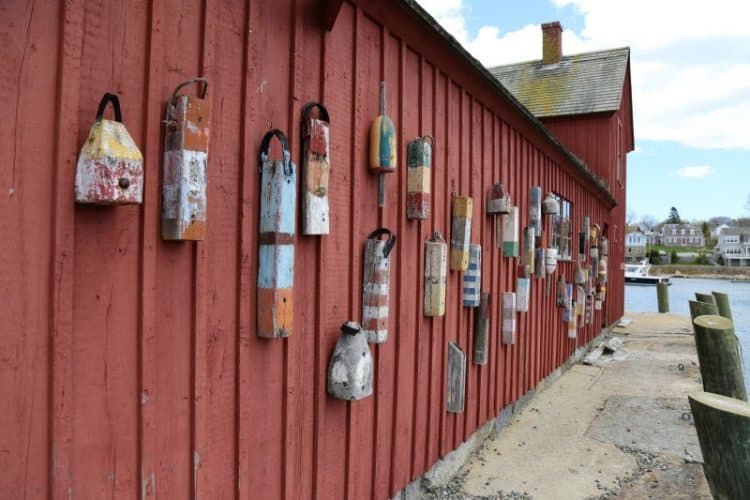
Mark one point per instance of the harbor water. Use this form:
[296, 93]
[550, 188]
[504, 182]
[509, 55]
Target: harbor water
[642, 298]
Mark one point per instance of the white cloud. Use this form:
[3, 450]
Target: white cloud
[695, 171]
[690, 61]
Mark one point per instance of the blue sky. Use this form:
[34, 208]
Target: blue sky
[690, 64]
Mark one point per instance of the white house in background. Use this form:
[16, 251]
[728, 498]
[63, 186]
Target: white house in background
[734, 246]
[715, 232]
[652, 238]
[682, 235]
[635, 246]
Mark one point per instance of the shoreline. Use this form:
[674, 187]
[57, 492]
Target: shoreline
[702, 272]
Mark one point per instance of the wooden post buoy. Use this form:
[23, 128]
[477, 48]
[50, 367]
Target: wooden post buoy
[419, 178]
[186, 136]
[535, 210]
[719, 356]
[473, 276]
[278, 206]
[527, 257]
[510, 223]
[435, 275]
[383, 150]
[509, 318]
[481, 329]
[498, 204]
[460, 232]
[376, 279]
[722, 303]
[456, 378]
[540, 262]
[316, 169]
[662, 297]
[523, 292]
[723, 427]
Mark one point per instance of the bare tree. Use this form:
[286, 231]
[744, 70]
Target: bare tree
[630, 217]
[647, 222]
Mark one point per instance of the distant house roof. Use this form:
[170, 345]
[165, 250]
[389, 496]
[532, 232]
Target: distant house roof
[735, 231]
[578, 84]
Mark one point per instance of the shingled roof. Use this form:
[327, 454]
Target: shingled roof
[578, 84]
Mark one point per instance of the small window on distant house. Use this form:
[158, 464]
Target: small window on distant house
[682, 232]
[692, 232]
[562, 230]
[674, 232]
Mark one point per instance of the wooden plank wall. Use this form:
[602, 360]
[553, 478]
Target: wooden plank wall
[131, 365]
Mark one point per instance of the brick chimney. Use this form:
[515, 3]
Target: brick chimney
[551, 42]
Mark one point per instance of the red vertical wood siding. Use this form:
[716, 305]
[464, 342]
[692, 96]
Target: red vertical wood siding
[132, 365]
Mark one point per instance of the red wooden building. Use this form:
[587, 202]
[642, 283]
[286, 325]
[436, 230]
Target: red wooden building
[130, 365]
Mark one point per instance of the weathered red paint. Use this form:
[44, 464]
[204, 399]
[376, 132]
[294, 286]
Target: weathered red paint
[156, 383]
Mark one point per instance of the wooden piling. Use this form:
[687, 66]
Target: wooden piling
[701, 309]
[722, 303]
[705, 297]
[723, 427]
[719, 356]
[662, 297]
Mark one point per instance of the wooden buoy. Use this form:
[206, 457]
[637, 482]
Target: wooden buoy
[498, 204]
[550, 260]
[722, 303]
[376, 278]
[540, 262]
[662, 297]
[186, 137]
[383, 150]
[719, 356]
[528, 254]
[435, 275]
[482, 330]
[550, 205]
[419, 178]
[535, 210]
[523, 292]
[510, 223]
[316, 169]
[460, 232]
[278, 206]
[456, 378]
[509, 318]
[723, 427]
[109, 170]
[473, 276]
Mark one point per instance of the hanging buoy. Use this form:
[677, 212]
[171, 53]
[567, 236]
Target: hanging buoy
[586, 226]
[456, 378]
[509, 318]
[110, 166]
[535, 210]
[350, 370]
[603, 270]
[376, 278]
[460, 232]
[186, 136]
[527, 257]
[419, 179]
[550, 205]
[562, 298]
[481, 329]
[498, 203]
[383, 150]
[473, 276]
[316, 169]
[605, 246]
[278, 206]
[580, 302]
[435, 275]
[510, 233]
[523, 291]
[550, 260]
[582, 247]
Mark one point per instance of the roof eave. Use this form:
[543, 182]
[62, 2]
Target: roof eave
[500, 88]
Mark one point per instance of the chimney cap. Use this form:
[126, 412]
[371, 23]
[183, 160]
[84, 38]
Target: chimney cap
[552, 24]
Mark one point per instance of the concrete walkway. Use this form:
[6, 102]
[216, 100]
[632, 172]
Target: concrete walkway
[618, 428]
